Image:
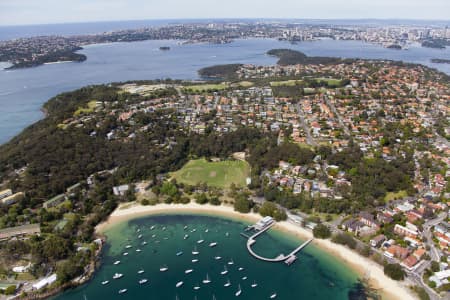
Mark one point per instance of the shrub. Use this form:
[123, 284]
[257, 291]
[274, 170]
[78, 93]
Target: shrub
[394, 271]
[321, 231]
[344, 239]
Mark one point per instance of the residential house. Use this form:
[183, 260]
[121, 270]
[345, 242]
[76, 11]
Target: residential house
[368, 219]
[5, 193]
[54, 201]
[121, 190]
[396, 251]
[405, 231]
[377, 241]
[410, 262]
[12, 198]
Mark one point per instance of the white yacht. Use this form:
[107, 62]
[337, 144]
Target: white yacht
[195, 251]
[142, 281]
[128, 246]
[239, 291]
[241, 269]
[105, 282]
[273, 296]
[125, 253]
[217, 257]
[254, 284]
[163, 268]
[228, 283]
[141, 271]
[213, 244]
[244, 278]
[188, 271]
[231, 262]
[122, 291]
[185, 236]
[179, 283]
[194, 260]
[117, 276]
[117, 262]
[206, 280]
[196, 287]
[225, 271]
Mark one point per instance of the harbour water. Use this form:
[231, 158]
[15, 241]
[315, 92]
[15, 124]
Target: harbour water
[23, 92]
[169, 242]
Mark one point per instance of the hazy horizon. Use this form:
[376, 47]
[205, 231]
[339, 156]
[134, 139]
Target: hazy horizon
[30, 12]
[300, 20]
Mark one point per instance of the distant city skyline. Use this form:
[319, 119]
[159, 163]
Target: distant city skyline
[24, 12]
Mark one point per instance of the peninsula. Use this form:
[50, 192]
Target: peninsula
[440, 61]
[35, 51]
[355, 149]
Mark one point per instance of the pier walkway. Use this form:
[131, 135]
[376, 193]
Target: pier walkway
[290, 258]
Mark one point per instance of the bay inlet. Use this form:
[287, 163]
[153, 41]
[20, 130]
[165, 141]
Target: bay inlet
[24, 91]
[169, 241]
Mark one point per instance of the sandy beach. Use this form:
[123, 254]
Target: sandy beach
[389, 289]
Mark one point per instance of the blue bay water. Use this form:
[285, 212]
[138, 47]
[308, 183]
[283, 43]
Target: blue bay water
[23, 92]
[315, 275]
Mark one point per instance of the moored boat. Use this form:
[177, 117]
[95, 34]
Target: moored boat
[228, 283]
[163, 268]
[207, 279]
[239, 291]
[179, 283]
[225, 270]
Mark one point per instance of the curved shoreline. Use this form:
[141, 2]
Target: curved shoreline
[388, 288]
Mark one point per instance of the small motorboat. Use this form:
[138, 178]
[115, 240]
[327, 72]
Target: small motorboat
[163, 269]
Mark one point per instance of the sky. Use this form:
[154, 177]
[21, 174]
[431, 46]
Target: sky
[20, 12]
